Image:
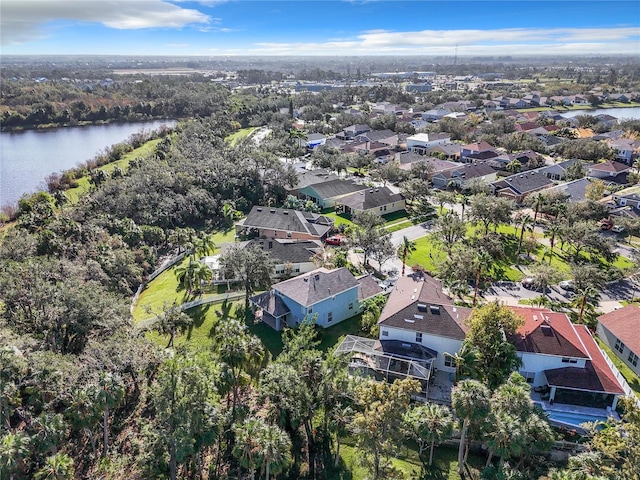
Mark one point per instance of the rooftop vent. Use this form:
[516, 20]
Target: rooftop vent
[286, 212]
[419, 317]
[272, 211]
[317, 276]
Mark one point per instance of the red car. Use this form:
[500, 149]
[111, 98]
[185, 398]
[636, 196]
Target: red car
[334, 240]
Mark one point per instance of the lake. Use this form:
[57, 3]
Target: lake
[28, 157]
[619, 113]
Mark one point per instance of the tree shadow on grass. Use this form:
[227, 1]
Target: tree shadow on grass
[198, 315]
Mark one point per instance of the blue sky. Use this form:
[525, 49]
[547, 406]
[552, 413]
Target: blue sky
[357, 27]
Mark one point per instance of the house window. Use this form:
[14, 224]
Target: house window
[329, 317]
[448, 361]
[619, 346]
[297, 269]
[633, 359]
[528, 376]
[351, 306]
[418, 337]
[385, 333]
[380, 208]
[310, 310]
[569, 360]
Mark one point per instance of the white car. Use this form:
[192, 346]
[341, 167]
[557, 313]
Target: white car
[567, 285]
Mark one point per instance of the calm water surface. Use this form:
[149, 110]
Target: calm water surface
[28, 157]
[619, 113]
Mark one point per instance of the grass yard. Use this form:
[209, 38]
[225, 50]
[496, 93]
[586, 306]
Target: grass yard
[632, 379]
[74, 194]
[165, 288]
[236, 137]
[445, 463]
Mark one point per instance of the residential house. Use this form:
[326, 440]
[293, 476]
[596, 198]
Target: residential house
[619, 330]
[435, 115]
[574, 191]
[326, 194]
[266, 222]
[557, 171]
[565, 357]
[311, 177]
[330, 296]
[517, 187]
[433, 165]
[626, 149]
[475, 148]
[385, 137]
[463, 174]
[379, 200]
[315, 140]
[290, 257]
[450, 151]
[628, 197]
[605, 170]
[352, 131]
[422, 143]
[419, 313]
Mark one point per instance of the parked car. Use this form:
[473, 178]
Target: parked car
[334, 240]
[528, 283]
[567, 285]
[617, 228]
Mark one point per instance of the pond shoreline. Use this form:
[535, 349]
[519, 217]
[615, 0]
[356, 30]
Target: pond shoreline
[86, 123]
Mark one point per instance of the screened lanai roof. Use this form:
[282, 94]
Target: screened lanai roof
[368, 353]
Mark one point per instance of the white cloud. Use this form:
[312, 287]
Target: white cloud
[512, 41]
[25, 20]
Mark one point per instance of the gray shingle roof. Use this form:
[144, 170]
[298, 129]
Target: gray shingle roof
[271, 303]
[575, 190]
[283, 251]
[286, 220]
[370, 198]
[317, 285]
[335, 188]
[311, 177]
[522, 183]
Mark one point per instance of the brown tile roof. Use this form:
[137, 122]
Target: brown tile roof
[596, 376]
[547, 332]
[610, 166]
[418, 304]
[625, 325]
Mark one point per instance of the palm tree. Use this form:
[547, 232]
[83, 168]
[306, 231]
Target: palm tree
[514, 166]
[13, 449]
[483, 260]
[524, 222]
[584, 295]
[274, 448]
[109, 395]
[552, 231]
[408, 247]
[464, 361]
[56, 467]
[470, 401]
[171, 321]
[464, 202]
[439, 424]
[192, 274]
[246, 448]
[505, 438]
[203, 246]
[537, 202]
[297, 134]
[340, 419]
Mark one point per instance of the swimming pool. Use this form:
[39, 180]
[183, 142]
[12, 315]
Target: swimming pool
[574, 419]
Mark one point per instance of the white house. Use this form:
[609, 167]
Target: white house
[565, 357]
[423, 142]
[419, 313]
[620, 331]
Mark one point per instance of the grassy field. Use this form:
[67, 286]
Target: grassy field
[74, 194]
[445, 464]
[391, 219]
[632, 379]
[165, 288]
[234, 138]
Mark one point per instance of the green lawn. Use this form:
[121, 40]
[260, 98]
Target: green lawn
[165, 288]
[234, 138]
[632, 379]
[74, 194]
[445, 463]
[390, 219]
